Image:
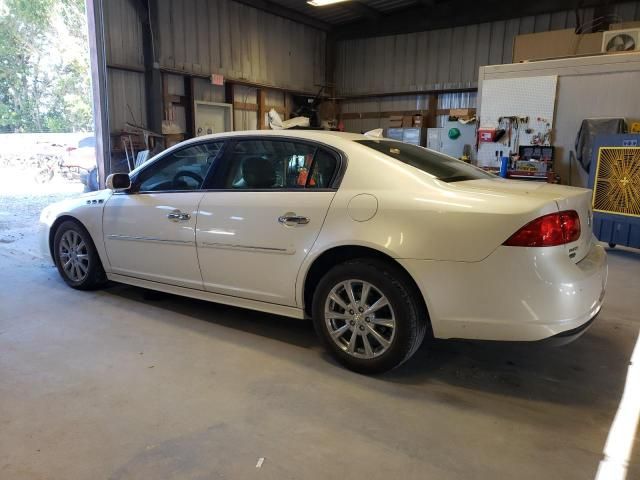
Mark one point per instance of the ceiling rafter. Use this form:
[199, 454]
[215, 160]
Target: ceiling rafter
[276, 9]
[431, 14]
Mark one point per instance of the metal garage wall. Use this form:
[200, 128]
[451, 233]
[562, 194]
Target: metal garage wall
[245, 119]
[123, 34]
[208, 36]
[123, 47]
[222, 36]
[398, 103]
[455, 100]
[380, 104]
[446, 58]
[126, 99]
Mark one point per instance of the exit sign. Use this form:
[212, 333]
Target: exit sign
[217, 79]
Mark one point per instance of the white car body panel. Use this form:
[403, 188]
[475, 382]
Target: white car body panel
[447, 236]
[87, 209]
[512, 295]
[244, 251]
[142, 242]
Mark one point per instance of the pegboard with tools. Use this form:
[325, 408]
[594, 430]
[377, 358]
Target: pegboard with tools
[515, 112]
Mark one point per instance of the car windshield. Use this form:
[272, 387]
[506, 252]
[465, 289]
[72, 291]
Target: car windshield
[441, 166]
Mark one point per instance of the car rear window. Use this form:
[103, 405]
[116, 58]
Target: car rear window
[443, 167]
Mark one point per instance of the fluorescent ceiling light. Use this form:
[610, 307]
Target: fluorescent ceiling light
[322, 3]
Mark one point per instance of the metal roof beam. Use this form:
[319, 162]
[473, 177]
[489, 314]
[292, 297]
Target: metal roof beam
[364, 10]
[427, 15]
[279, 10]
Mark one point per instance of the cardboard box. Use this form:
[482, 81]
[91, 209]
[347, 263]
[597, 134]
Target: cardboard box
[395, 121]
[555, 44]
[624, 25]
[462, 112]
[172, 139]
[407, 121]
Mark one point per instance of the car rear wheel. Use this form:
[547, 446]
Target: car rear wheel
[369, 315]
[76, 257]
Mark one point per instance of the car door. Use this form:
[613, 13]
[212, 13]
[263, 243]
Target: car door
[255, 230]
[149, 231]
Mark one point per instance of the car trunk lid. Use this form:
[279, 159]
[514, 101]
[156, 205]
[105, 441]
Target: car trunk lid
[579, 199]
[564, 198]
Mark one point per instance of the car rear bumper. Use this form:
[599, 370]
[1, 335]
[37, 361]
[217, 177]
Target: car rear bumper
[515, 294]
[568, 336]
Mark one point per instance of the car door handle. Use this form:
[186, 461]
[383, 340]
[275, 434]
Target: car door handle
[291, 219]
[178, 216]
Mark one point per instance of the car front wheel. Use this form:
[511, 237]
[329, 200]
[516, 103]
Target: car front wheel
[369, 315]
[76, 257]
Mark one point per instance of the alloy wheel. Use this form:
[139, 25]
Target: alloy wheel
[360, 319]
[74, 256]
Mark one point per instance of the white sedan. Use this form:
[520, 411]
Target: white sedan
[379, 242]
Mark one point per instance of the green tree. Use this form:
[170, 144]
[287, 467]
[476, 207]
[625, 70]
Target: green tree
[44, 66]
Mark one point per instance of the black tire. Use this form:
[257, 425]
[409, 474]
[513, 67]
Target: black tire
[411, 318]
[612, 245]
[94, 276]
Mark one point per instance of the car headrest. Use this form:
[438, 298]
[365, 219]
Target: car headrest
[258, 172]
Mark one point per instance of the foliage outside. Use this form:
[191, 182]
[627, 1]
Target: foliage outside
[44, 67]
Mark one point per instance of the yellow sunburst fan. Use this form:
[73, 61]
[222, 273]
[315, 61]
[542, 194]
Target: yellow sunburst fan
[617, 184]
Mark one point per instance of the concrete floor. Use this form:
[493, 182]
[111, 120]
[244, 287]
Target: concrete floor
[123, 384]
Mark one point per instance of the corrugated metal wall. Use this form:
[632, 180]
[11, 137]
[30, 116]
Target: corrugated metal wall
[209, 36]
[380, 104]
[446, 58]
[123, 34]
[222, 36]
[126, 99]
[399, 103]
[123, 37]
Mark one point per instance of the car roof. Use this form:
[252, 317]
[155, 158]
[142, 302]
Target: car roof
[319, 135]
[328, 137]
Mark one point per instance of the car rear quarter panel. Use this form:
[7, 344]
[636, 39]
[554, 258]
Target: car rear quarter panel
[420, 217]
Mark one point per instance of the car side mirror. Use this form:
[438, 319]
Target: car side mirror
[118, 182]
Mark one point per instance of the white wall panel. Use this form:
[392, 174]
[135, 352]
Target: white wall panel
[608, 81]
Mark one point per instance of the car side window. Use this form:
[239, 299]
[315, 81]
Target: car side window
[182, 170]
[323, 169]
[278, 164]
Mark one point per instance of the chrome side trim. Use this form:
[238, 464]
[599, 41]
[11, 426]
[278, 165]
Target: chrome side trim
[150, 239]
[248, 248]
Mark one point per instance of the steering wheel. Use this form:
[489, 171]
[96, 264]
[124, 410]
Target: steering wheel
[187, 173]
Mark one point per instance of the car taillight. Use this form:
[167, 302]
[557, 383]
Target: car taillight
[548, 231]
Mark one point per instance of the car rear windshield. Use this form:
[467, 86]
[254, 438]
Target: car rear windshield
[441, 166]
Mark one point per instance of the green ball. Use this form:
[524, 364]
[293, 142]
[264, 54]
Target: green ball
[454, 133]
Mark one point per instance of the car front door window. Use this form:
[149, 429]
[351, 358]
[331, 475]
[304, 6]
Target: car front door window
[182, 170]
